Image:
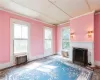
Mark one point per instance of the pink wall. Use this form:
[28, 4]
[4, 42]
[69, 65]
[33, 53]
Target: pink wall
[97, 38]
[36, 35]
[80, 26]
[59, 29]
[4, 37]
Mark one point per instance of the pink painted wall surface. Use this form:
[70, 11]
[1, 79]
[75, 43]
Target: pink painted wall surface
[4, 37]
[36, 35]
[80, 26]
[97, 37]
[59, 32]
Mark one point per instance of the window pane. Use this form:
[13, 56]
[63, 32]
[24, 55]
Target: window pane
[20, 46]
[66, 34]
[48, 34]
[65, 45]
[24, 31]
[17, 31]
[48, 44]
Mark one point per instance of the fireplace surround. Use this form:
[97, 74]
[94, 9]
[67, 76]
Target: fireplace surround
[80, 56]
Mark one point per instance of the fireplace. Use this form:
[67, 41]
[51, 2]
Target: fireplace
[80, 56]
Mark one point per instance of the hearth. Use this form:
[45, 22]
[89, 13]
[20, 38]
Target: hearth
[80, 56]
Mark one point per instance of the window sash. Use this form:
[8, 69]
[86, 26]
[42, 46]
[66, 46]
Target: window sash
[66, 32]
[48, 44]
[47, 38]
[19, 45]
[20, 42]
[65, 40]
[20, 39]
[48, 33]
[23, 31]
[64, 46]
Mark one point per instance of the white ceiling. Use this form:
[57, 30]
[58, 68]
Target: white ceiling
[51, 11]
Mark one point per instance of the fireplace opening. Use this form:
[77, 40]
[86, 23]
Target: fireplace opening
[80, 56]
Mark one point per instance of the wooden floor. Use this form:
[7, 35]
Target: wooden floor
[96, 75]
[36, 63]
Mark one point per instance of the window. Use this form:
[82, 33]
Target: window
[48, 38]
[65, 38]
[20, 38]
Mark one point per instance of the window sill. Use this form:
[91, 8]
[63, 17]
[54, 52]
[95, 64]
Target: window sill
[66, 49]
[20, 54]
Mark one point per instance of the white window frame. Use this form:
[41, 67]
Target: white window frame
[48, 54]
[62, 38]
[12, 21]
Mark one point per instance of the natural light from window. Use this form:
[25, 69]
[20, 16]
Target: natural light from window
[65, 38]
[20, 38]
[48, 38]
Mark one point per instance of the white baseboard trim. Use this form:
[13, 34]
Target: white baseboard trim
[6, 65]
[9, 64]
[36, 57]
[32, 58]
[97, 63]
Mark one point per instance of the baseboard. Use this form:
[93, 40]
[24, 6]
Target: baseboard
[59, 53]
[5, 65]
[97, 63]
[36, 57]
[9, 64]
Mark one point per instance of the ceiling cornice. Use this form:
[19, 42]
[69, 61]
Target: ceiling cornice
[6, 10]
[68, 22]
[83, 15]
[34, 10]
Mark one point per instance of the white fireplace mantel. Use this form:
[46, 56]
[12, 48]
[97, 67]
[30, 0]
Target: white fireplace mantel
[87, 45]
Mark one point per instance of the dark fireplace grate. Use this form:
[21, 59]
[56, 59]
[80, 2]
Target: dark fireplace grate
[80, 56]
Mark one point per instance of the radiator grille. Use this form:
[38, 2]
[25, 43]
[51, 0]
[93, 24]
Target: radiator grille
[21, 59]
